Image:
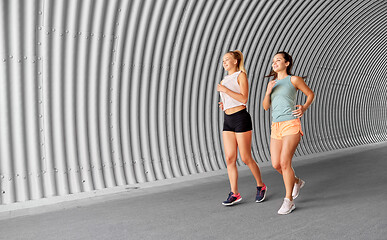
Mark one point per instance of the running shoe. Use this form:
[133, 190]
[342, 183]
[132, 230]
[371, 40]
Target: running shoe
[297, 187]
[261, 193]
[232, 199]
[287, 207]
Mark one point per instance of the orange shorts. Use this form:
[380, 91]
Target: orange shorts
[285, 128]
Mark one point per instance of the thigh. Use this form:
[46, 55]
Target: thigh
[227, 124]
[244, 143]
[292, 127]
[243, 122]
[275, 151]
[289, 146]
[230, 144]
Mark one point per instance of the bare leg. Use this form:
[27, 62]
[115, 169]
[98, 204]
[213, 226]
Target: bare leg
[230, 149]
[275, 153]
[244, 145]
[289, 145]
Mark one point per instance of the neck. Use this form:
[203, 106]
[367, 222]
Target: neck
[282, 75]
[231, 71]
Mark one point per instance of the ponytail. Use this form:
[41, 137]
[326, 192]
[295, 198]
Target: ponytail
[272, 74]
[240, 62]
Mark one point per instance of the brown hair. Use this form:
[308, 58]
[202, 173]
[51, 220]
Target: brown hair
[239, 57]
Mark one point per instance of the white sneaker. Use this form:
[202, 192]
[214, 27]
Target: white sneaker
[297, 187]
[287, 207]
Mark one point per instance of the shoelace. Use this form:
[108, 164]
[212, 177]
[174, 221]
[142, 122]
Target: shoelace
[286, 204]
[261, 191]
[230, 196]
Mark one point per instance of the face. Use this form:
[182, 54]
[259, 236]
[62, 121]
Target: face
[229, 62]
[279, 63]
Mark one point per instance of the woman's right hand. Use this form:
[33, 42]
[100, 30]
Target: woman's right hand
[221, 105]
[270, 86]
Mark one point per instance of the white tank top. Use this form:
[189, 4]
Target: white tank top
[231, 82]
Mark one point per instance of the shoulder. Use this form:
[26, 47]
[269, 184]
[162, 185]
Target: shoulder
[296, 80]
[242, 75]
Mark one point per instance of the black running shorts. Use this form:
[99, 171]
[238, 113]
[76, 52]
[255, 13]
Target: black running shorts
[238, 122]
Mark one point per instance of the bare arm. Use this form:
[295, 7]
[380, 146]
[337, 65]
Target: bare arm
[244, 86]
[300, 84]
[267, 101]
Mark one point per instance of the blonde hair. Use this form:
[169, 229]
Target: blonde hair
[239, 57]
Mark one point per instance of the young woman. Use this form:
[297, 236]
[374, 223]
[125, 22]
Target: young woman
[237, 128]
[286, 126]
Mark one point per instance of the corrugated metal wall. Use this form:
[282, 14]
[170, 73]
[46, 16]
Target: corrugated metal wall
[97, 94]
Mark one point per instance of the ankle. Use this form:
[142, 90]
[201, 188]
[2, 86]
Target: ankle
[261, 184]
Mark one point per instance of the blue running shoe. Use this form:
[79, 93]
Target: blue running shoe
[261, 193]
[232, 199]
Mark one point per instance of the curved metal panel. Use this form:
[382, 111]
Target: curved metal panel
[98, 94]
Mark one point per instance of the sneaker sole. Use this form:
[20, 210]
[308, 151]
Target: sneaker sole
[302, 185]
[293, 207]
[264, 196]
[229, 204]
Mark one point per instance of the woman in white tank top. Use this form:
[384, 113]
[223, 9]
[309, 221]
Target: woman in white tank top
[237, 129]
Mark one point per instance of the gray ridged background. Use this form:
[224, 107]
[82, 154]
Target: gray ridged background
[97, 94]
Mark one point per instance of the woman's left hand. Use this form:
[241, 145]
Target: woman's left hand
[300, 111]
[221, 88]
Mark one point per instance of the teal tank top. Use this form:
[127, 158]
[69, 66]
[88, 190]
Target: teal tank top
[283, 100]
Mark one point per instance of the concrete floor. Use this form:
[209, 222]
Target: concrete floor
[345, 197]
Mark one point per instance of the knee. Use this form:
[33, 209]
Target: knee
[231, 159]
[247, 159]
[285, 165]
[276, 166]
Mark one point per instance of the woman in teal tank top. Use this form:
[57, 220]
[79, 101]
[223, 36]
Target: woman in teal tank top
[286, 129]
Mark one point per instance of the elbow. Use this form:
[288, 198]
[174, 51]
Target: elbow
[243, 99]
[265, 105]
[312, 96]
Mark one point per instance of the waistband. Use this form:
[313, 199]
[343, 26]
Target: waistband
[286, 122]
[236, 113]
